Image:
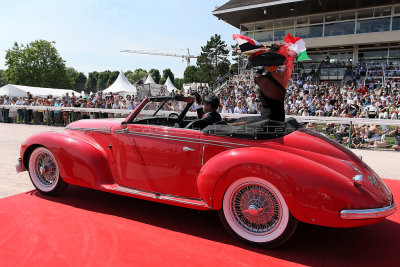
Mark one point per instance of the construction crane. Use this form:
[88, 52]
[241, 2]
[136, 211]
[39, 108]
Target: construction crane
[187, 57]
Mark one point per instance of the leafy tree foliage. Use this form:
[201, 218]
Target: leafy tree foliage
[91, 82]
[80, 82]
[102, 80]
[2, 82]
[178, 82]
[224, 67]
[190, 74]
[136, 75]
[77, 79]
[167, 73]
[214, 54]
[207, 74]
[36, 64]
[155, 74]
[113, 76]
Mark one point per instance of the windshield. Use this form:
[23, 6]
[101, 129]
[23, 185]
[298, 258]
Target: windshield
[161, 109]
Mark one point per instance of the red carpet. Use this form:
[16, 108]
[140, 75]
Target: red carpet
[91, 228]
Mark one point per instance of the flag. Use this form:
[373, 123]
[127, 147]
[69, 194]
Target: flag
[247, 45]
[297, 45]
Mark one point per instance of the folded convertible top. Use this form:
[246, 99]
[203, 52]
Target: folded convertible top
[254, 129]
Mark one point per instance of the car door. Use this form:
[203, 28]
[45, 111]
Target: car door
[158, 158]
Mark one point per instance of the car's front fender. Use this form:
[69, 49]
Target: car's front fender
[79, 161]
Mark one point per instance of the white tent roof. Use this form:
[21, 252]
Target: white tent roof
[149, 80]
[170, 86]
[121, 84]
[11, 90]
[21, 90]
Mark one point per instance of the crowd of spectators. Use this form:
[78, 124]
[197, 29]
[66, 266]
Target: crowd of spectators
[63, 116]
[239, 95]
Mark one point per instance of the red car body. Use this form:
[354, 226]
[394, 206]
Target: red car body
[316, 176]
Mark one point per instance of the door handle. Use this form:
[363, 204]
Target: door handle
[185, 148]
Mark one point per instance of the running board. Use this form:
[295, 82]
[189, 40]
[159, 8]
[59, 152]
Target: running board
[168, 199]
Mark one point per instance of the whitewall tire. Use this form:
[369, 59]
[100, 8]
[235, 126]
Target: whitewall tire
[44, 173]
[255, 211]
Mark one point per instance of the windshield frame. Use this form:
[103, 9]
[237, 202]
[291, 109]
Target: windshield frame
[164, 99]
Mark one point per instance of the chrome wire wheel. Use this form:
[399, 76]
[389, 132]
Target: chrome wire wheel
[255, 208]
[44, 173]
[255, 211]
[46, 169]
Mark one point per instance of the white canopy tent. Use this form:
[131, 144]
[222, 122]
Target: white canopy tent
[149, 80]
[21, 90]
[121, 85]
[169, 85]
[11, 91]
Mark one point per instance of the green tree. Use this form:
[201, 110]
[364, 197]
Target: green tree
[167, 73]
[155, 74]
[112, 78]
[77, 79]
[136, 75]
[2, 81]
[214, 54]
[91, 82]
[102, 80]
[178, 82]
[36, 64]
[80, 82]
[207, 74]
[223, 68]
[190, 74]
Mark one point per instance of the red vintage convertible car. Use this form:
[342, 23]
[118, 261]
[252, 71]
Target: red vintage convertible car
[262, 176]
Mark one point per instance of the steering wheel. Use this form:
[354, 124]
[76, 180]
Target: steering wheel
[171, 115]
[189, 126]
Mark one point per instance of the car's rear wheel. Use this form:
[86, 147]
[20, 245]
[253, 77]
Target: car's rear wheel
[253, 210]
[44, 173]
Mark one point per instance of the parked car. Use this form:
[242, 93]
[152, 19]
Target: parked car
[261, 176]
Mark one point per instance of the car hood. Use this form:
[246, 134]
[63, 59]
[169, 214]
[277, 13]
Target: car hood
[95, 125]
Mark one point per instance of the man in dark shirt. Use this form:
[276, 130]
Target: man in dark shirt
[210, 106]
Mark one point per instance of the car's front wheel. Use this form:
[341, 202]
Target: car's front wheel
[44, 173]
[253, 210]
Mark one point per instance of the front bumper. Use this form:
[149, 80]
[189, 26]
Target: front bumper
[368, 213]
[19, 167]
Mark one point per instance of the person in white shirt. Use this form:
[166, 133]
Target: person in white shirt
[129, 104]
[116, 104]
[239, 109]
[226, 109]
[20, 112]
[252, 106]
[328, 109]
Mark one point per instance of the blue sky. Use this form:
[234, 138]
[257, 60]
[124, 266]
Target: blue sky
[89, 34]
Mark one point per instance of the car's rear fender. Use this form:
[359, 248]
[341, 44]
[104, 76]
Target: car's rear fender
[79, 161]
[313, 192]
[223, 169]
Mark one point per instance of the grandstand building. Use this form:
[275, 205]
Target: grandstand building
[341, 32]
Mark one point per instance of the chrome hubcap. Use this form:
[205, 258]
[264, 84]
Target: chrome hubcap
[46, 169]
[256, 209]
[42, 170]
